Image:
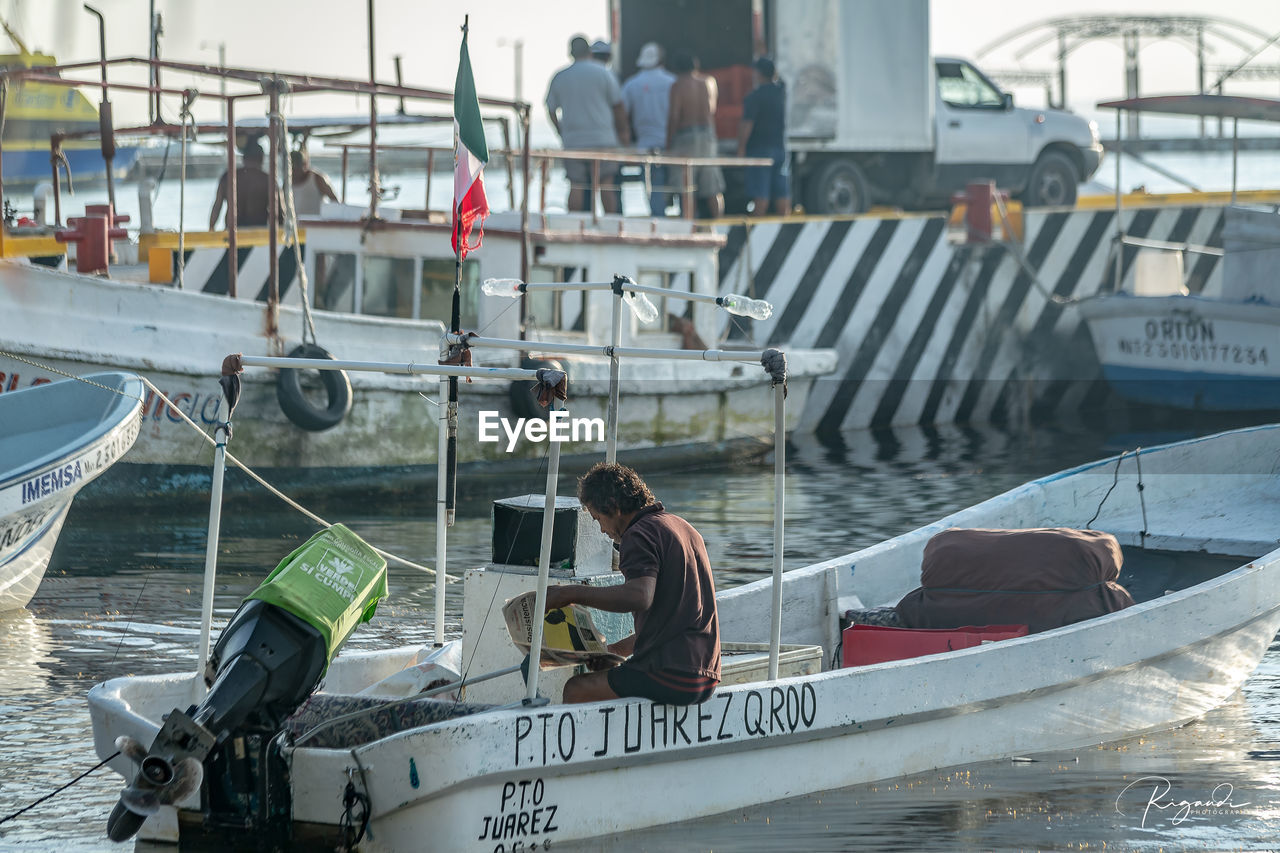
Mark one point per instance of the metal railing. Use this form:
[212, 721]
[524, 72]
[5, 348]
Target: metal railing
[545, 158]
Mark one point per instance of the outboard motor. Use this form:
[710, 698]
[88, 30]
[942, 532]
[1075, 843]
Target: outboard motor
[267, 661]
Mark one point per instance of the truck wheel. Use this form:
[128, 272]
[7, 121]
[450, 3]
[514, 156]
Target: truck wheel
[837, 187]
[1053, 181]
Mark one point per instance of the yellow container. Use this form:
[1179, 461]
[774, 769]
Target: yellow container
[159, 265]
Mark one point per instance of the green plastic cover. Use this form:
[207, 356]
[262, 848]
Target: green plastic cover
[333, 581]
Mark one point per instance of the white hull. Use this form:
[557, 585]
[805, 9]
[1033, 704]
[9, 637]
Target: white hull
[178, 339]
[1188, 352]
[556, 773]
[57, 439]
[23, 568]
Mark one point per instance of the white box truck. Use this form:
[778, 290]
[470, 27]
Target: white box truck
[872, 116]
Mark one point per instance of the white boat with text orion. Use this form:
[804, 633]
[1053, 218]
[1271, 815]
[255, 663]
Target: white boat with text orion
[1199, 523]
[54, 439]
[1217, 350]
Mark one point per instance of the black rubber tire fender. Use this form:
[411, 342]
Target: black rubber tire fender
[521, 393]
[1053, 181]
[294, 402]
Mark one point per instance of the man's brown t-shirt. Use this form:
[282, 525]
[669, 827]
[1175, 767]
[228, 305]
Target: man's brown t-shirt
[680, 630]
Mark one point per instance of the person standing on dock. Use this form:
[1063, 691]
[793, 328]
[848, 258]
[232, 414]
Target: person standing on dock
[647, 96]
[674, 654]
[763, 133]
[584, 102]
[310, 186]
[691, 128]
[253, 191]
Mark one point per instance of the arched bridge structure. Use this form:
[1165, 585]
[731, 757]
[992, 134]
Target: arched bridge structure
[1201, 34]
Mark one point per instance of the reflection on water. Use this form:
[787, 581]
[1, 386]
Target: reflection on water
[122, 596]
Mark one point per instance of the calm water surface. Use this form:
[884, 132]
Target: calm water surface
[122, 597]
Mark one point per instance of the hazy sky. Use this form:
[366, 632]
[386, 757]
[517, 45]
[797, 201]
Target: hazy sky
[329, 36]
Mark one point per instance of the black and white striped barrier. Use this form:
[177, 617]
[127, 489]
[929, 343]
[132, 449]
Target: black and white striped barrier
[932, 332]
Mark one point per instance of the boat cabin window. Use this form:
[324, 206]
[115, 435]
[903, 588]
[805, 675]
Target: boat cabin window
[436, 291]
[556, 309]
[388, 287]
[384, 287]
[669, 307]
[335, 284]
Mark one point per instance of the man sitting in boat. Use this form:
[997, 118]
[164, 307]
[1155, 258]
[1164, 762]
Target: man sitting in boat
[674, 654]
[253, 191]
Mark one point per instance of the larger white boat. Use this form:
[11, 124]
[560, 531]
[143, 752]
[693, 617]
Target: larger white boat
[1199, 522]
[54, 440]
[381, 286]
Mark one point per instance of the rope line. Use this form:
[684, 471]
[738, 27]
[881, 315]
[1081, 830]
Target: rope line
[208, 439]
[291, 230]
[57, 791]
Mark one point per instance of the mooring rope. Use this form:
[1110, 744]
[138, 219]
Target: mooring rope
[57, 791]
[231, 457]
[291, 229]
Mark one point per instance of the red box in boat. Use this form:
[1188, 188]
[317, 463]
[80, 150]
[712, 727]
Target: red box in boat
[867, 644]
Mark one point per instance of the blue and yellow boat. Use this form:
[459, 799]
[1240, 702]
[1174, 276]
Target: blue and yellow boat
[35, 111]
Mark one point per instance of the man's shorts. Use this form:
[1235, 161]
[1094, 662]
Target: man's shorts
[579, 174]
[697, 142]
[665, 687]
[768, 182]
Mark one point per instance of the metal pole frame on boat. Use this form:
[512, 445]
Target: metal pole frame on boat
[560, 348]
[442, 501]
[544, 565]
[779, 513]
[446, 372]
[615, 341]
[221, 435]
[1119, 226]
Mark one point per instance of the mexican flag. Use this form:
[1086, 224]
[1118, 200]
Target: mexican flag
[470, 153]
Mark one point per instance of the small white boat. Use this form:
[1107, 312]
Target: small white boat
[54, 440]
[1199, 522]
[1216, 350]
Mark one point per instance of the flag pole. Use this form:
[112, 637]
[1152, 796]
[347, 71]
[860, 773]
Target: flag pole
[455, 323]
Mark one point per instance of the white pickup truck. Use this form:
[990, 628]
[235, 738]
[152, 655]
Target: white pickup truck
[872, 116]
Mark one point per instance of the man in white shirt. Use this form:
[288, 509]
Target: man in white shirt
[647, 97]
[584, 102]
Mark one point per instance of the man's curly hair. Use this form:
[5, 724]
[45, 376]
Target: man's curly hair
[611, 488]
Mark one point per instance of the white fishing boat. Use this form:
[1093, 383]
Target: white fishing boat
[374, 283]
[55, 439]
[1199, 522]
[1216, 350]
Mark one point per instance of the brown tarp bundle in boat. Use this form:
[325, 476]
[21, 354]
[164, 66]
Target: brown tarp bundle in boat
[1043, 578]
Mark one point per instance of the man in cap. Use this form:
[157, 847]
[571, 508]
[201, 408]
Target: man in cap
[584, 102]
[602, 52]
[763, 133]
[647, 97]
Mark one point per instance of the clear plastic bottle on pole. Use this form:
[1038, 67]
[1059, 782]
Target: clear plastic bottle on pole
[646, 312]
[508, 287]
[745, 306]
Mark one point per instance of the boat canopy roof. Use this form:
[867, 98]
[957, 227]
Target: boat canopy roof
[1212, 106]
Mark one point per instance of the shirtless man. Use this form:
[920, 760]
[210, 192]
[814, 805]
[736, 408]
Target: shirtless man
[253, 192]
[691, 128]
